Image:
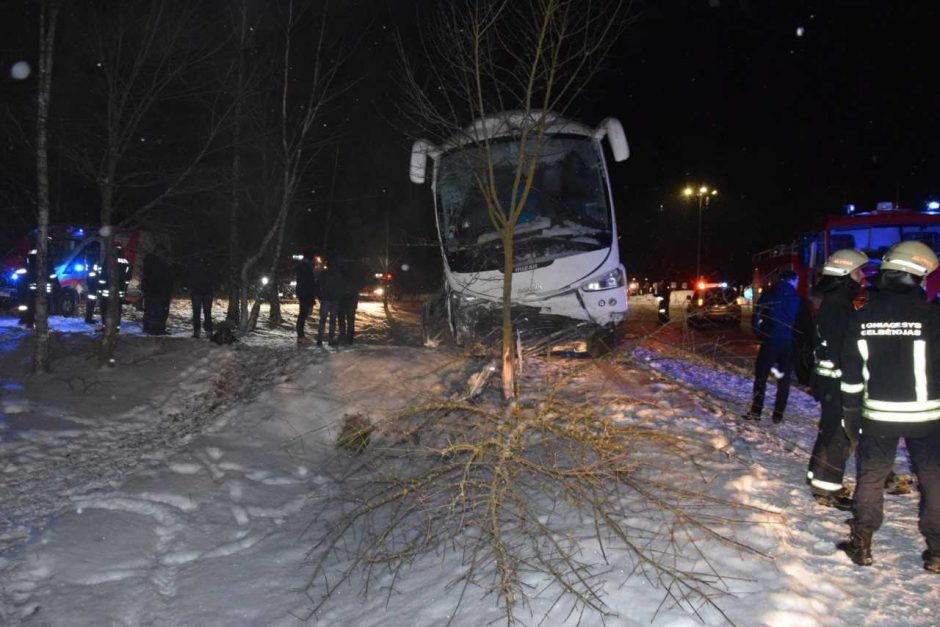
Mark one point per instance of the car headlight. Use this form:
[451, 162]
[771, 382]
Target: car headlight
[612, 279]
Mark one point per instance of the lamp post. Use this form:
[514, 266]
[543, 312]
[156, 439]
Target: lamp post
[704, 194]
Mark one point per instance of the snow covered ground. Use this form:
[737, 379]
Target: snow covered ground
[186, 486]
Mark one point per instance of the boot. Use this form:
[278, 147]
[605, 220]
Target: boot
[777, 417]
[931, 561]
[898, 484]
[753, 415]
[858, 546]
[840, 499]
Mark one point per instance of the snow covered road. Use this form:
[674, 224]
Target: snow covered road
[187, 486]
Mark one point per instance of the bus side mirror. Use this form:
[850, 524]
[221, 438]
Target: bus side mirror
[419, 160]
[613, 130]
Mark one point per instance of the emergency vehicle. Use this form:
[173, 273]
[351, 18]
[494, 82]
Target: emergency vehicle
[872, 232]
[567, 264]
[73, 252]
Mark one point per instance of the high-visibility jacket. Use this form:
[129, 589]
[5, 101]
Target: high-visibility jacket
[831, 321]
[891, 361]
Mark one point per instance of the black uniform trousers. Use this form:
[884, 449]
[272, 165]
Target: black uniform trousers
[772, 353]
[328, 312]
[306, 306]
[202, 304]
[876, 455]
[832, 447]
[346, 312]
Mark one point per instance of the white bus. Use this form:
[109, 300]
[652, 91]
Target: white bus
[567, 263]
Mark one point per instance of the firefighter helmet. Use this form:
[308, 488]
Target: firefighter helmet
[911, 256]
[844, 262]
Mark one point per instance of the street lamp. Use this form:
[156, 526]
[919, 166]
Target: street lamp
[704, 194]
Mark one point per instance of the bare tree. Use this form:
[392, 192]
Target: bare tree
[301, 103]
[145, 49]
[48, 19]
[512, 63]
[243, 29]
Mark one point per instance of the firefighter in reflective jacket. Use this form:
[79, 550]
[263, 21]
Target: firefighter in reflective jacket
[891, 387]
[662, 295]
[124, 275]
[91, 291]
[842, 277]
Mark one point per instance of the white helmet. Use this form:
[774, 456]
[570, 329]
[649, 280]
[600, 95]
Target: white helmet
[843, 262]
[912, 257]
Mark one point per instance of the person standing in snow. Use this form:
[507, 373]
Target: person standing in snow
[891, 388]
[306, 292]
[349, 301]
[842, 278]
[157, 286]
[780, 314]
[201, 286]
[332, 286]
[123, 266]
[662, 294]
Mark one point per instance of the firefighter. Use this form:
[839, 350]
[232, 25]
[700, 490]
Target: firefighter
[663, 294]
[104, 291]
[843, 276]
[890, 389]
[28, 289]
[91, 287]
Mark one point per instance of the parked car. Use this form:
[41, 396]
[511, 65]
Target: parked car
[378, 287]
[713, 304]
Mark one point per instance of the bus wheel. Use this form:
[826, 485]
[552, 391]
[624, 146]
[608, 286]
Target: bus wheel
[67, 304]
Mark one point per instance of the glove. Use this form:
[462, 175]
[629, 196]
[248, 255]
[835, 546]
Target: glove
[851, 424]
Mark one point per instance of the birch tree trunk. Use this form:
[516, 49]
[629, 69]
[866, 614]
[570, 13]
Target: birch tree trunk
[48, 17]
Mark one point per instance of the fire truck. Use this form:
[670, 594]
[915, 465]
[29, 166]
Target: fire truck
[73, 251]
[872, 232]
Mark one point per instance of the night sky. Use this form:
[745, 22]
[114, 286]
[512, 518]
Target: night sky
[790, 109]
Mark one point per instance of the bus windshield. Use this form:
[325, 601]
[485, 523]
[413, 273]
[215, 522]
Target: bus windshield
[566, 212]
[876, 240]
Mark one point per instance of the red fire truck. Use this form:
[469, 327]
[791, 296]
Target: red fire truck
[872, 232]
[72, 252]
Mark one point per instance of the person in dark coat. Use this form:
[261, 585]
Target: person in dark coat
[157, 287]
[306, 292]
[331, 287]
[349, 301]
[842, 279]
[779, 315]
[201, 283]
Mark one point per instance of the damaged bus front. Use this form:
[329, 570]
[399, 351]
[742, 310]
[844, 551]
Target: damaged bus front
[567, 270]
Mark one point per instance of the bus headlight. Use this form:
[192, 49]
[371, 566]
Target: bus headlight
[612, 279]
